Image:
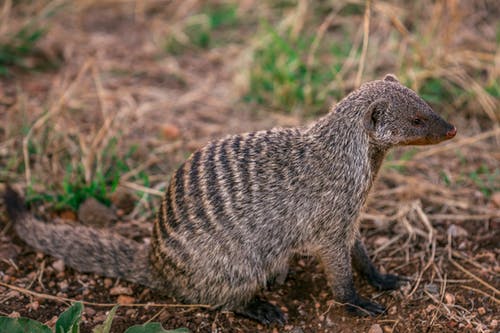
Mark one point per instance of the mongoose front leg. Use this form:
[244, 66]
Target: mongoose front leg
[262, 311]
[363, 264]
[337, 263]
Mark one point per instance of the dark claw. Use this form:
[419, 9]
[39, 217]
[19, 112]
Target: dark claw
[263, 312]
[386, 282]
[363, 307]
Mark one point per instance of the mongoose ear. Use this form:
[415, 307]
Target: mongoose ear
[391, 78]
[375, 110]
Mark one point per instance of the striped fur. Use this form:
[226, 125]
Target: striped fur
[238, 208]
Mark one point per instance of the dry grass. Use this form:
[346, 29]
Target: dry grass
[117, 93]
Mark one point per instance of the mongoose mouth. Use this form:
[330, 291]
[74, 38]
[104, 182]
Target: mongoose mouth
[430, 140]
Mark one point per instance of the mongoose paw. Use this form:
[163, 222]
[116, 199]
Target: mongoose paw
[363, 307]
[386, 281]
[263, 312]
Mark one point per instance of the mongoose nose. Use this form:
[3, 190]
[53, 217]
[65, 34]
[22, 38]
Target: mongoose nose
[451, 133]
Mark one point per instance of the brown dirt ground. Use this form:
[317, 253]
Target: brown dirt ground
[443, 237]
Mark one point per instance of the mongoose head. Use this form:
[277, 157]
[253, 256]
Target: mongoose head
[398, 116]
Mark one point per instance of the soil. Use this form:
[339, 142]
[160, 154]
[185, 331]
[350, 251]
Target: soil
[173, 105]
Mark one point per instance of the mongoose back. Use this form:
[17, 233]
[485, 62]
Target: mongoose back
[239, 207]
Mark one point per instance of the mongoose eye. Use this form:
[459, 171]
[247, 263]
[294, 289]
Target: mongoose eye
[417, 122]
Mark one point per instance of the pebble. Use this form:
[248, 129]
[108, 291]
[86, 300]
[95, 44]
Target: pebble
[9, 251]
[108, 283]
[432, 288]
[63, 285]
[94, 213]
[457, 231]
[33, 306]
[123, 200]
[430, 308]
[481, 310]
[495, 198]
[14, 314]
[379, 241]
[375, 328]
[449, 298]
[124, 299]
[119, 290]
[131, 313]
[89, 311]
[170, 131]
[58, 265]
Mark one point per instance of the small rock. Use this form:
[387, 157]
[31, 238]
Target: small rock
[108, 283]
[58, 265]
[449, 298]
[14, 314]
[124, 299]
[123, 200]
[52, 321]
[297, 330]
[94, 213]
[131, 313]
[375, 328]
[393, 310]
[170, 131]
[119, 290]
[9, 250]
[387, 329]
[432, 288]
[481, 310]
[89, 311]
[494, 323]
[430, 308]
[457, 231]
[63, 285]
[495, 198]
[33, 305]
[99, 318]
[379, 241]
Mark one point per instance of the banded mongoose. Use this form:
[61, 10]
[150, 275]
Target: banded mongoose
[240, 207]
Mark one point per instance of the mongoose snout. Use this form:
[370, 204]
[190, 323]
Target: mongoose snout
[238, 209]
[451, 133]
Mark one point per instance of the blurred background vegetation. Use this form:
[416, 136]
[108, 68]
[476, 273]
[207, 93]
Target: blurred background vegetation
[77, 77]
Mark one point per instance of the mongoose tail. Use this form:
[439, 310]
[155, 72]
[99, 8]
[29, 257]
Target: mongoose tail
[96, 251]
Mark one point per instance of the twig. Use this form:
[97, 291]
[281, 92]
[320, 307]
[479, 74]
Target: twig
[72, 300]
[478, 279]
[493, 298]
[141, 188]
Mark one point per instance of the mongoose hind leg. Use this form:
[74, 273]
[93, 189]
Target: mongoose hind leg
[262, 311]
[337, 262]
[363, 264]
